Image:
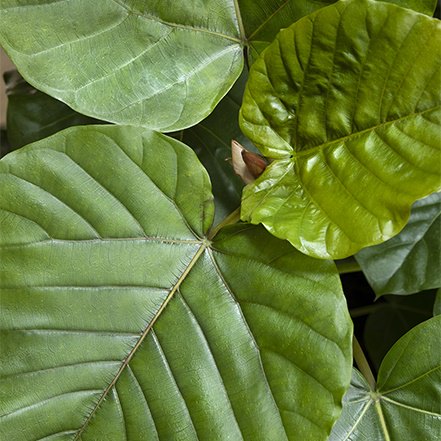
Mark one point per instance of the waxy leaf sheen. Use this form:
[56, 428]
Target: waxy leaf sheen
[347, 103]
[122, 318]
[162, 64]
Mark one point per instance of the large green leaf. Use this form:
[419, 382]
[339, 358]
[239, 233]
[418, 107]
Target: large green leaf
[347, 103]
[159, 64]
[411, 261]
[407, 403]
[396, 316]
[32, 115]
[121, 319]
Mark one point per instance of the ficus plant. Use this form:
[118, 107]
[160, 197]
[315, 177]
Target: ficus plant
[149, 293]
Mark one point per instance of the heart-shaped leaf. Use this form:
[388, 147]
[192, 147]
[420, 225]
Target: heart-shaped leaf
[159, 64]
[347, 103]
[406, 404]
[411, 261]
[121, 319]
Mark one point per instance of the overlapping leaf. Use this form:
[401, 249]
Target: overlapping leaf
[411, 261]
[347, 102]
[122, 320]
[163, 64]
[407, 403]
[393, 318]
[32, 115]
[211, 140]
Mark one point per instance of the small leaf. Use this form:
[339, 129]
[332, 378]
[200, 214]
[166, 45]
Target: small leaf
[409, 262]
[406, 404]
[33, 115]
[347, 103]
[120, 319]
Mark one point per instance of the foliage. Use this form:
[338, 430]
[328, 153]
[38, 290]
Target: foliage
[404, 404]
[410, 261]
[140, 298]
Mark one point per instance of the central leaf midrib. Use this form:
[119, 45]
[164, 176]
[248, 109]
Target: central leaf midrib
[329, 144]
[128, 358]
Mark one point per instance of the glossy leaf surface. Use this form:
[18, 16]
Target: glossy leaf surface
[424, 6]
[32, 115]
[263, 19]
[347, 102]
[407, 403]
[411, 261]
[164, 64]
[121, 320]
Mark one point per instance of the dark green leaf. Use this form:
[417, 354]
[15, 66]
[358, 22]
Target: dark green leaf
[33, 115]
[122, 320]
[347, 103]
[411, 261]
[407, 403]
[211, 140]
[392, 320]
[437, 305]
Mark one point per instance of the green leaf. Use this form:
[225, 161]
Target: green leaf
[5, 147]
[158, 64]
[211, 140]
[122, 320]
[162, 65]
[262, 19]
[347, 103]
[424, 6]
[409, 262]
[33, 115]
[398, 315]
[406, 404]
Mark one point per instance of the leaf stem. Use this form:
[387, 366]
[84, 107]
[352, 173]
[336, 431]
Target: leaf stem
[232, 218]
[349, 265]
[362, 363]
